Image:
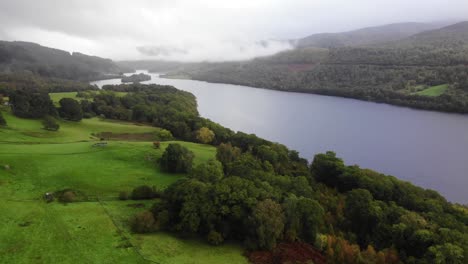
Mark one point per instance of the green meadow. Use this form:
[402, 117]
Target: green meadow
[57, 96]
[34, 161]
[433, 90]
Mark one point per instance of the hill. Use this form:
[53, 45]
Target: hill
[18, 56]
[452, 36]
[395, 72]
[365, 36]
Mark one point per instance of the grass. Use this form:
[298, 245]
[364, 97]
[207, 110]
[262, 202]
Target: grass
[433, 90]
[57, 96]
[40, 161]
[27, 130]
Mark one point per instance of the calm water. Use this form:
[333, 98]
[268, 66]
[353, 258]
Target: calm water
[429, 149]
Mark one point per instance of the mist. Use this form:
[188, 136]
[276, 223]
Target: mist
[206, 30]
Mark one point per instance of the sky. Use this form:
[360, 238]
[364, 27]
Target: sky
[202, 30]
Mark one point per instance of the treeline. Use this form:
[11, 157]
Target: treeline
[396, 55]
[384, 84]
[30, 82]
[21, 57]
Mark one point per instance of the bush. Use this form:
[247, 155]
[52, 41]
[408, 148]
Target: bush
[215, 238]
[143, 222]
[144, 192]
[123, 196]
[50, 123]
[68, 197]
[176, 159]
[164, 135]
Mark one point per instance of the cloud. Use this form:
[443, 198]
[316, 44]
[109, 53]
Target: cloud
[201, 30]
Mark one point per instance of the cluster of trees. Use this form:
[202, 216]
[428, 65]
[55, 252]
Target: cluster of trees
[136, 78]
[37, 104]
[31, 104]
[162, 106]
[261, 193]
[30, 82]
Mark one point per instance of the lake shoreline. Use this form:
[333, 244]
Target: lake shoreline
[397, 141]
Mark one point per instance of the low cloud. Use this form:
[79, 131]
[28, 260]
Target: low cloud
[210, 30]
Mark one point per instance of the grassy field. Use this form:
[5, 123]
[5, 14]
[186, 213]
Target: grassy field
[433, 90]
[57, 96]
[27, 130]
[34, 161]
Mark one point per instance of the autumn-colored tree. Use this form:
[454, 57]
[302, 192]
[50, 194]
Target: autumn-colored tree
[205, 135]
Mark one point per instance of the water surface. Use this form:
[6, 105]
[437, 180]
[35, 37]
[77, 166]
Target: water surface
[429, 149]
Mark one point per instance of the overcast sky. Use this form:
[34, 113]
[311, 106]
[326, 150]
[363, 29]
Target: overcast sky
[204, 29]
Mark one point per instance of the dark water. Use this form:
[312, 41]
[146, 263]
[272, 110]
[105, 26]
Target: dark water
[429, 149]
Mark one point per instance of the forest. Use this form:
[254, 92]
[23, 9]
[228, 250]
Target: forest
[28, 57]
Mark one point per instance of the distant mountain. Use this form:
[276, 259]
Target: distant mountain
[455, 35]
[18, 56]
[366, 36]
[392, 71]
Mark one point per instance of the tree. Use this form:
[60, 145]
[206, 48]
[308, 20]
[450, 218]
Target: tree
[176, 159]
[226, 153]
[304, 216]
[362, 213]
[445, 254]
[2, 120]
[327, 168]
[205, 135]
[50, 123]
[210, 171]
[143, 222]
[269, 220]
[70, 109]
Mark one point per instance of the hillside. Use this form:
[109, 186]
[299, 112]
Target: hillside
[451, 36]
[365, 36]
[394, 72]
[20, 57]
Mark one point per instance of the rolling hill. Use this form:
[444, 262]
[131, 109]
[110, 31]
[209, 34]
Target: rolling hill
[18, 56]
[365, 36]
